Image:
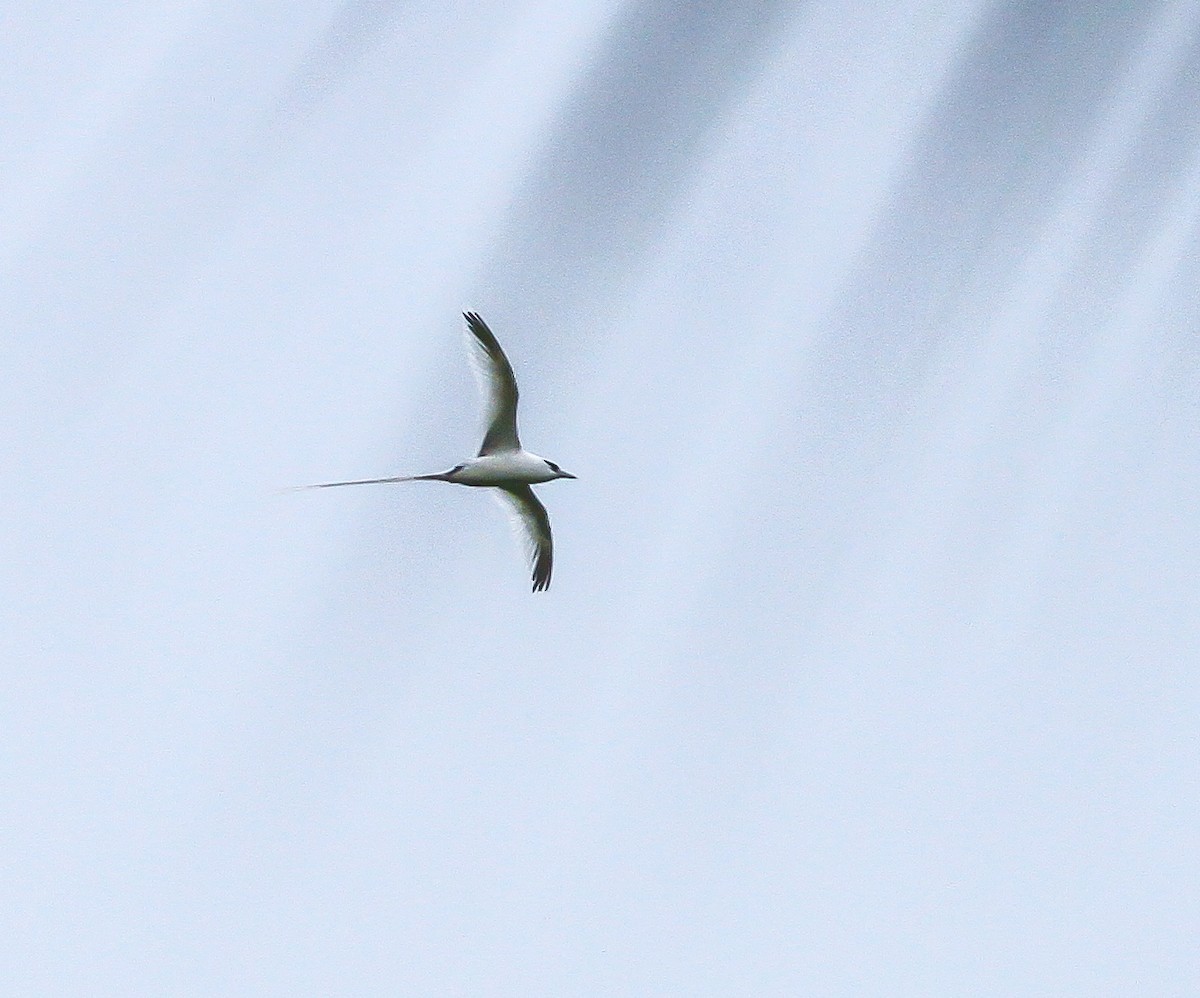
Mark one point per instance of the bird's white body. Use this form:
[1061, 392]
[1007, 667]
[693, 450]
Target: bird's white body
[502, 463]
[510, 467]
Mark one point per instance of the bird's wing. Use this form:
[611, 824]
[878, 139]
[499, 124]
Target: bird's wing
[499, 387]
[531, 518]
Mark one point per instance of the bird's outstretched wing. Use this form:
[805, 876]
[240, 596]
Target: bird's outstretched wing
[499, 388]
[534, 523]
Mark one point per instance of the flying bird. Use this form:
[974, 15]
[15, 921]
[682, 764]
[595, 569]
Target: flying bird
[502, 463]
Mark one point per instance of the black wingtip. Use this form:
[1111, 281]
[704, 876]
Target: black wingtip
[477, 326]
[541, 574]
[485, 337]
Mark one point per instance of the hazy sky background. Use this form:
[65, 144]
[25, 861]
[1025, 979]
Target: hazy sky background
[870, 664]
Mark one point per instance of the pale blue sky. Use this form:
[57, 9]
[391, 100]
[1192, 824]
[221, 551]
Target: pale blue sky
[869, 667]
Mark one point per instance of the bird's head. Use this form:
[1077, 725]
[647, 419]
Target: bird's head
[558, 472]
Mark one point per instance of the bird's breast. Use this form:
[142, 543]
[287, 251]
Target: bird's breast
[507, 468]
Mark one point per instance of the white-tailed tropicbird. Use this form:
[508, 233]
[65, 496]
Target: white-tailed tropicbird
[502, 463]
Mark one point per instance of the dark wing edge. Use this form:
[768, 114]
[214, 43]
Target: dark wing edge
[500, 385]
[534, 522]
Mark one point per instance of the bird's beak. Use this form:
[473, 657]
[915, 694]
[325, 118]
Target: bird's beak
[565, 474]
